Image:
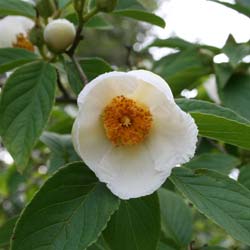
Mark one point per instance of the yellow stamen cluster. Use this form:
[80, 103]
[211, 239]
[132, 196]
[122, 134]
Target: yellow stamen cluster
[126, 122]
[23, 42]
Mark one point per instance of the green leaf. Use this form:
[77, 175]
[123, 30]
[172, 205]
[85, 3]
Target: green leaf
[204, 107]
[218, 123]
[236, 94]
[220, 198]
[92, 67]
[99, 245]
[11, 58]
[98, 22]
[142, 15]
[213, 248]
[6, 231]
[223, 73]
[26, 102]
[68, 213]
[219, 162]
[136, 225]
[184, 69]
[16, 7]
[244, 176]
[176, 217]
[235, 52]
[164, 246]
[239, 6]
[181, 44]
[62, 150]
[129, 4]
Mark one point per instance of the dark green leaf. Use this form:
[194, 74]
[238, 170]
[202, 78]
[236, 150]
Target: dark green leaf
[99, 245]
[11, 58]
[92, 68]
[223, 73]
[239, 6]
[62, 150]
[183, 69]
[213, 248]
[236, 94]
[204, 107]
[222, 163]
[16, 7]
[26, 102]
[142, 15]
[181, 44]
[220, 198]
[244, 176]
[136, 225]
[176, 217]
[98, 22]
[164, 246]
[235, 52]
[218, 123]
[129, 4]
[68, 213]
[6, 231]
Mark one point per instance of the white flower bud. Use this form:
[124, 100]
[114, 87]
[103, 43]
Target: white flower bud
[59, 34]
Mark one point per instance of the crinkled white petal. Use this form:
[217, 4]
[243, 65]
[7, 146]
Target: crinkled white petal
[129, 172]
[173, 138]
[11, 26]
[133, 171]
[155, 80]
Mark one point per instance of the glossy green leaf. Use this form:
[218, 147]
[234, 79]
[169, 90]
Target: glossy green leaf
[219, 162]
[99, 245]
[184, 69]
[181, 44]
[176, 217]
[16, 7]
[244, 176]
[217, 196]
[223, 72]
[68, 213]
[239, 6]
[6, 231]
[142, 15]
[62, 150]
[235, 52]
[136, 225]
[92, 68]
[236, 94]
[208, 108]
[218, 123]
[26, 102]
[11, 58]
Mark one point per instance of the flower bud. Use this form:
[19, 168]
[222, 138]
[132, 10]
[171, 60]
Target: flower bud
[106, 5]
[59, 35]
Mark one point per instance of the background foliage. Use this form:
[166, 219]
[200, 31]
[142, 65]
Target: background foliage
[51, 200]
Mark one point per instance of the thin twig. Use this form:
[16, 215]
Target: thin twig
[218, 146]
[61, 87]
[128, 57]
[65, 100]
[81, 73]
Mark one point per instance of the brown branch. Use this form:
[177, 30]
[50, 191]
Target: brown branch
[66, 100]
[60, 86]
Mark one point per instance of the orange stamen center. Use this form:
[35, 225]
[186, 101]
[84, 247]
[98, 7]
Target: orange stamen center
[126, 122]
[23, 42]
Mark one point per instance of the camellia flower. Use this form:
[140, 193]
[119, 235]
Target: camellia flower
[15, 32]
[131, 133]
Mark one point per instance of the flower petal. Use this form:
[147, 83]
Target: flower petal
[173, 137]
[154, 80]
[130, 172]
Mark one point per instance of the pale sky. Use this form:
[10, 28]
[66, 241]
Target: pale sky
[201, 21]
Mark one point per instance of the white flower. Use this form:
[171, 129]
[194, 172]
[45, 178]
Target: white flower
[131, 133]
[14, 32]
[59, 34]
